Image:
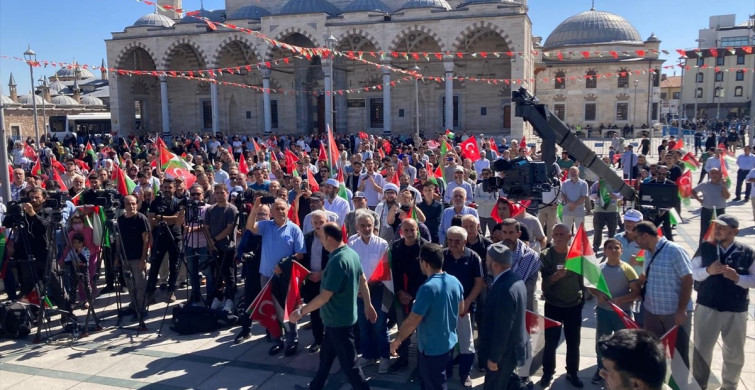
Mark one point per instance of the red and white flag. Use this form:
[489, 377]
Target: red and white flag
[470, 150]
[262, 309]
[293, 296]
[536, 327]
[382, 273]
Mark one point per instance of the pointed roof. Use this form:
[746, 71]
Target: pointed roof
[367, 5]
[12, 81]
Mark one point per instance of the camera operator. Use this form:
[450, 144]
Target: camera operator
[220, 220]
[134, 229]
[166, 218]
[197, 253]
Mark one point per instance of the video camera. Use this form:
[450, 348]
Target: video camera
[523, 179]
[108, 198]
[192, 207]
[14, 213]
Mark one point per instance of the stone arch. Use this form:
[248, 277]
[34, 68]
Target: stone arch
[128, 49]
[180, 42]
[417, 28]
[268, 54]
[482, 25]
[361, 33]
[249, 52]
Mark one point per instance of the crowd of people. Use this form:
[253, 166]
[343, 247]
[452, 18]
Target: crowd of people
[465, 260]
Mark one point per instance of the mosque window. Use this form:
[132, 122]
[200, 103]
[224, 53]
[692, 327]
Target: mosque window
[738, 91]
[624, 78]
[206, 114]
[274, 113]
[560, 111]
[591, 110]
[740, 75]
[700, 77]
[622, 111]
[376, 113]
[591, 79]
[560, 80]
[699, 93]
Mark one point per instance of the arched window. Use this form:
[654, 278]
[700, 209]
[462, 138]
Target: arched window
[560, 81]
[624, 78]
[591, 79]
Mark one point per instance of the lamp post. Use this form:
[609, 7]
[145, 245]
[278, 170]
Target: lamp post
[416, 103]
[43, 83]
[331, 42]
[4, 174]
[31, 58]
[634, 114]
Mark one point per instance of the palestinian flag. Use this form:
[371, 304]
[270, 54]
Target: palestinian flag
[291, 161]
[725, 173]
[678, 145]
[322, 156]
[679, 374]
[640, 256]
[536, 327]
[37, 168]
[627, 320]
[96, 220]
[674, 217]
[333, 151]
[56, 177]
[430, 174]
[262, 309]
[313, 185]
[382, 273]
[293, 213]
[123, 183]
[690, 161]
[342, 186]
[449, 134]
[90, 151]
[582, 260]
[604, 196]
[560, 211]
[77, 198]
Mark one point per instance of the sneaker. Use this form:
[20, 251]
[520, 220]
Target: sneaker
[574, 380]
[363, 362]
[217, 304]
[467, 382]
[596, 379]
[171, 297]
[314, 348]
[545, 381]
[384, 366]
[228, 305]
[737, 199]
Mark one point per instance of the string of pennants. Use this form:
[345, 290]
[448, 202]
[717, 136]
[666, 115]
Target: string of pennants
[210, 75]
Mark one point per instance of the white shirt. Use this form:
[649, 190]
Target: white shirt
[339, 206]
[369, 253]
[373, 196]
[481, 164]
[700, 273]
[714, 162]
[452, 185]
[307, 227]
[746, 162]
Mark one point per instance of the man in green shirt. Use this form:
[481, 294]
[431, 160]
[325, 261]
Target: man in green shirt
[342, 280]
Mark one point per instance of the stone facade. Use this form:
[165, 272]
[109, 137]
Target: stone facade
[201, 106]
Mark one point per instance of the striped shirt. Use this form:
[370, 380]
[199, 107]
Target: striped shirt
[664, 281]
[369, 253]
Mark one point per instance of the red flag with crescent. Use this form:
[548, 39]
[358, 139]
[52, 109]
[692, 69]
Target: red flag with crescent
[470, 150]
[262, 309]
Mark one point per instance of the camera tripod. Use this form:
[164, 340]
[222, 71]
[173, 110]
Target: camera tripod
[118, 267]
[165, 235]
[81, 277]
[194, 262]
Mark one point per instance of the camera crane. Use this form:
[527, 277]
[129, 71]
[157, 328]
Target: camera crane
[553, 131]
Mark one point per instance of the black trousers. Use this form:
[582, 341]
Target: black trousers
[432, 370]
[741, 174]
[171, 248]
[571, 318]
[339, 343]
[252, 287]
[502, 379]
[601, 220]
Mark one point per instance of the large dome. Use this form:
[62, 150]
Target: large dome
[367, 5]
[154, 20]
[593, 27]
[309, 7]
[442, 4]
[26, 100]
[67, 73]
[250, 12]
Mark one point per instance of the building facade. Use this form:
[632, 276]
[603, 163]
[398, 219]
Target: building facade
[718, 80]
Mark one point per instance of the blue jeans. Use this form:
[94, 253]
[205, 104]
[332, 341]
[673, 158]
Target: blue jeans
[194, 257]
[373, 338]
[607, 323]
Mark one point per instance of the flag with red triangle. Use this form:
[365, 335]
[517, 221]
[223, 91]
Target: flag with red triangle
[678, 145]
[581, 260]
[123, 184]
[494, 145]
[291, 161]
[262, 309]
[725, 173]
[333, 151]
[342, 192]
[56, 177]
[293, 213]
[625, 319]
[679, 375]
[536, 326]
[690, 161]
[257, 147]
[382, 273]
[90, 151]
[395, 180]
[313, 185]
[322, 156]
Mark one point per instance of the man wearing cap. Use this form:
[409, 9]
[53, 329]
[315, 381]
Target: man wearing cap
[458, 182]
[317, 202]
[333, 202]
[360, 205]
[434, 312]
[371, 183]
[458, 201]
[385, 208]
[504, 339]
[725, 270]
[626, 238]
[713, 200]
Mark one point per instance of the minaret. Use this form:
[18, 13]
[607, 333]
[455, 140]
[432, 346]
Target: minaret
[103, 70]
[12, 89]
[176, 4]
[76, 90]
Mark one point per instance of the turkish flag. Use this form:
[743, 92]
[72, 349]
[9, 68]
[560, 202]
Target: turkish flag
[312, 182]
[470, 150]
[298, 274]
[291, 161]
[262, 309]
[684, 182]
[523, 143]
[363, 135]
[493, 145]
[243, 168]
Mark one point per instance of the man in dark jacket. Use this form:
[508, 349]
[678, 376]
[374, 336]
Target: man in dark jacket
[315, 261]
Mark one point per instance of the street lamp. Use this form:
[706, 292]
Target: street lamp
[43, 83]
[415, 68]
[331, 42]
[634, 114]
[31, 58]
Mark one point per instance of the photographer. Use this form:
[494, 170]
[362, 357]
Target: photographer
[220, 220]
[166, 218]
[197, 253]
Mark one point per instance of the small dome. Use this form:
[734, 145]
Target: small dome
[56, 87]
[250, 12]
[309, 7]
[653, 38]
[63, 100]
[90, 101]
[26, 100]
[6, 100]
[70, 73]
[154, 20]
[367, 5]
[217, 16]
[442, 4]
[593, 27]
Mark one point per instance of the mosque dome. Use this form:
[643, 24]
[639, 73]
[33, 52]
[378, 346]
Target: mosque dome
[367, 5]
[26, 100]
[67, 73]
[217, 16]
[56, 87]
[442, 4]
[63, 100]
[6, 100]
[593, 27]
[293, 7]
[154, 20]
[91, 101]
[250, 12]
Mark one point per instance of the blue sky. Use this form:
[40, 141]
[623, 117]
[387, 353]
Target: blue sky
[64, 30]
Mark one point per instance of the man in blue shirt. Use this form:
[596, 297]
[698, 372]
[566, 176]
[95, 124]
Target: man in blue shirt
[458, 201]
[280, 238]
[434, 314]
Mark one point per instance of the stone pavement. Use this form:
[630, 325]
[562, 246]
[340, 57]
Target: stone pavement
[116, 358]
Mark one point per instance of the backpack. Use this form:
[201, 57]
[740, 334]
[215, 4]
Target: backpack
[15, 320]
[188, 319]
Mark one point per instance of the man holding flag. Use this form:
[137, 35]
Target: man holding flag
[341, 281]
[713, 200]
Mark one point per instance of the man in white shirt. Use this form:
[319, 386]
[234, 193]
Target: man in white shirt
[371, 183]
[317, 202]
[628, 162]
[458, 182]
[745, 163]
[751, 181]
[333, 202]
